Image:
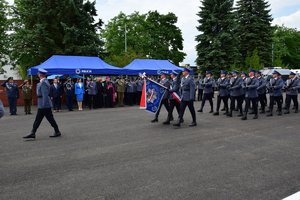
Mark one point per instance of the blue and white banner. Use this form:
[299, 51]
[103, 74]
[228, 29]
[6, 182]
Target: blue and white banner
[154, 93]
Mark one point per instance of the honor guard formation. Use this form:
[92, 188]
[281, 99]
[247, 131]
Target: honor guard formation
[244, 93]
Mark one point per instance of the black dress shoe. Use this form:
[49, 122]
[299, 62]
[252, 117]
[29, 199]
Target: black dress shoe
[262, 112]
[240, 115]
[255, 117]
[251, 113]
[229, 115]
[177, 124]
[287, 112]
[223, 109]
[154, 120]
[244, 118]
[279, 113]
[58, 134]
[30, 136]
[193, 124]
[200, 110]
[216, 113]
[269, 115]
[29, 113]
[211, 111]
[166, 123]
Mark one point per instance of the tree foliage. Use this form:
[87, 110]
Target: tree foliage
[254, 30]
[217, 44]
[3, 34]
[44, 28]
[148, 35]
[286, 47]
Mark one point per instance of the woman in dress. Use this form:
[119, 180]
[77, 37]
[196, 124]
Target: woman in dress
[79, 92]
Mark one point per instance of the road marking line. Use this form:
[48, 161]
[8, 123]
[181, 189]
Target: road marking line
[295, 196]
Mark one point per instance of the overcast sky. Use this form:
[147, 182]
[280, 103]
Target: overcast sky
[285, 12]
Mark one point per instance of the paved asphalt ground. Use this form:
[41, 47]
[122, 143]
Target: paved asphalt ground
[118, 154]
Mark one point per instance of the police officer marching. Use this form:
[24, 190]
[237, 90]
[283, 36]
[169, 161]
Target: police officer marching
[236, 93]
[187, 97]
[250, 85]
[208, 84]
[174, 92]
[223, 84]
[261, 91]
[275, 86]
[44, 106]
[292, 86]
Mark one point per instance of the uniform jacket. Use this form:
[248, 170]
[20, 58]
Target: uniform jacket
[187, 87]
[223, 85]
[292, 86]
[139, 85]
[69, 88]
[199, 84]
[243, 90]
[262, 86]
[12, 90]
[79, 89]
[43, 92]
[91, 88]
[250, 86]
[27, 92]
[121, 85]
[130, 87]
[236, 87]
[175, 87]
[275, 87]
[208, 85]
[165, 82]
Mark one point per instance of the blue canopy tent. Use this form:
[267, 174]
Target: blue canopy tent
[150, 67]
[72, 65]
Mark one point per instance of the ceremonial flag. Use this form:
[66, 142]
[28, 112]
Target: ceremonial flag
[152, 95]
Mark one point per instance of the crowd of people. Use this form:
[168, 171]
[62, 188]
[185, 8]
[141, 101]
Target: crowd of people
[241, 92]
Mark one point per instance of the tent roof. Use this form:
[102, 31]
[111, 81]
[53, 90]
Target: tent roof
[150, 67]
[71, 65]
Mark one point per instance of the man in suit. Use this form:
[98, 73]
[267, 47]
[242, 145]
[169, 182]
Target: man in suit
[223, 84]
[292, 86]
[275, 87]
[236, 93]
[208, 85]
[187, 87]
[12, 93]
[174, 93]
[56, 95]
[250, 86]
[44, 106]
[165, 100]
[261, 91]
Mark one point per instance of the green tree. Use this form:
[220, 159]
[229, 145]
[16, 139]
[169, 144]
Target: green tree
[44, 28]
[253, 61]
[254, 30]
[286, 47]
[148, 35]
[217, 44]
[3, 34]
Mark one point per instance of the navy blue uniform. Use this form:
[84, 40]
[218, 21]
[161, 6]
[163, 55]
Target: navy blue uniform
[12, 93]
[261, 91]
[236, 94]
[223, 84]
[275, 87]
[208, 88]
[69, 89]
[250, 86]
[292, 87]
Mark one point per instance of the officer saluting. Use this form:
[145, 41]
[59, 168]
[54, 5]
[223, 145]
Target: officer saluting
[12, 92]
[187, 97]
[44, 106]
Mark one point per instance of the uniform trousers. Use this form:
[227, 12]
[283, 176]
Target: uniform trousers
[208, 96]
[276, 99]
[225, 101]
[173, 104]
[69, 101]
[239, 100]
[41, 113]
[200, 94]
[12, 105]
[27, 105]
[183, 106]
[288, 100]
[262, 100]
[164, 102]
[56, 103]
[253, 101]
